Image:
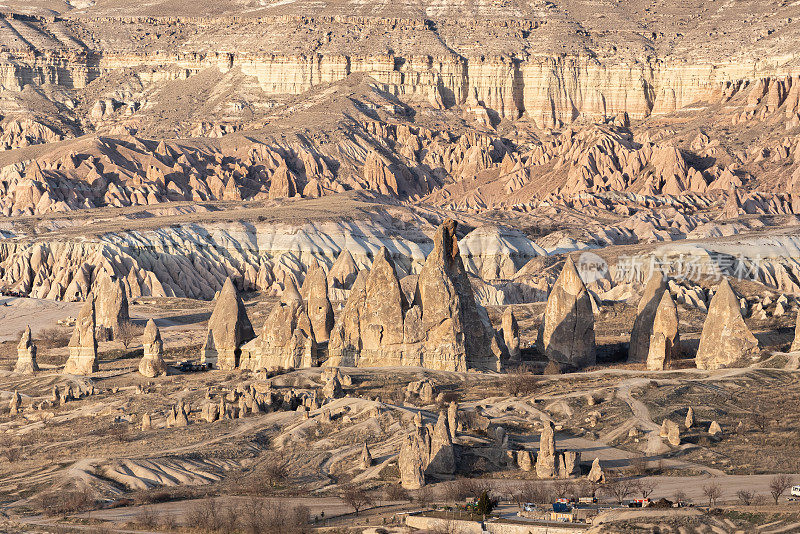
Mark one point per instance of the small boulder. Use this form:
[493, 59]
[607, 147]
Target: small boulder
[671, 431]
[714, 429]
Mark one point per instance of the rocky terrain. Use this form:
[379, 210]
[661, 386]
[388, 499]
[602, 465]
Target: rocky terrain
[292, 266]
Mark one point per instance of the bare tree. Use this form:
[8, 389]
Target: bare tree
[424, 496]
[563, 489]
[618, 487]
[639, 465]
[54, 337]
[457, 490]
[745, 497]
[356, 498]
[679, 496]
[532, 492]
[712, 491]
[253, 515]
[644, 487]
[778, 485]
[583, 488]
[126, 332]
[395, 492]
[275, 473]
[521, 381]
[760, 422]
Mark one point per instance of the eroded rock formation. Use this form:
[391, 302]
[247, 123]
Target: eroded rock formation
[111, 305]
[442, 456]
[664, 338]
[796, 342]
[366, 457]
[567, 331]
[511, 335]
[287, 339]
[546, 459]
[596, 474]
[152, 363]
[83, 343]
[440, 329]
[228, 329]
[320, 311]
[411, 463]
[26, 354]
[333, 386]
[726, 340]
[645, 315]
[671, 431]
[344, 271]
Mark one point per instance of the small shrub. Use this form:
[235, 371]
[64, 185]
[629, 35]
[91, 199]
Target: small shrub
[745, 497]
[205, 516]
[146, 518]
[12, 454]
[168, 523]
[65, 502]
[119, 432]
[152, 497]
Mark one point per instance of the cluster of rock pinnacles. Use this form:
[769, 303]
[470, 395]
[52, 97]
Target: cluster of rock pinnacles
[437, 324]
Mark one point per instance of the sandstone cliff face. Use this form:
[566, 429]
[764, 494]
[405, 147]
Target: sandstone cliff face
[441, 68]
[440, 329]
